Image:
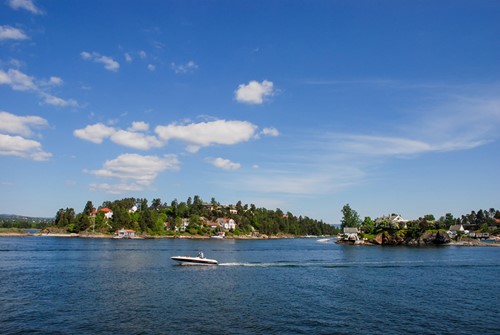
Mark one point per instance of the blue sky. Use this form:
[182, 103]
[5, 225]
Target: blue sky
[390, 106]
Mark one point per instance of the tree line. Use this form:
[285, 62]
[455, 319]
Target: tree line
[485, 221]
[159, 218]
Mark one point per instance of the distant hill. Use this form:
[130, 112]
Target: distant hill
[13, 218]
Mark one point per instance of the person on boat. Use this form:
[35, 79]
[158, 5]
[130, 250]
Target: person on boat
[200, 254]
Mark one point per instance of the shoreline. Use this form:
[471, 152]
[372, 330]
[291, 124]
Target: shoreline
[470, 243]
[147, 237]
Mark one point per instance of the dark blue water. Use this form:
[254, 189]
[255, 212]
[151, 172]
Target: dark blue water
[298, 286]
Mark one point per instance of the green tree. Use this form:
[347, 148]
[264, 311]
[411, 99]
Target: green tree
[368, 225]
[350, 217]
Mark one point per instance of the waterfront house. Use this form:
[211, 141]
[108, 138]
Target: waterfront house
[454, 229]
[350, 234]
[392, 221]
[125, 233]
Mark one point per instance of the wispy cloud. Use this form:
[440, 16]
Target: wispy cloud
[109, 63]
[20, 81]
[188, 67]
[254, 93]
[11, 33]
[28, 5]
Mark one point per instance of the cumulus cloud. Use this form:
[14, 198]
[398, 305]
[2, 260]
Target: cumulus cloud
[28, 5]
[224, 164]
[204, 134]
[136, 172]
[135, 140]
[108, 62]
[20, 146]
[139, 126]
[151, 67]
[188, 67]
[17, 80]
[254, 93]
[20, 125]
[11, 33]
[194, 135]
[95, 133]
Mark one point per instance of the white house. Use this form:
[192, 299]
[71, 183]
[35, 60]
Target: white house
[350, 234]
[454, 229]
[396, 220]
[108, 213]
[226, 223]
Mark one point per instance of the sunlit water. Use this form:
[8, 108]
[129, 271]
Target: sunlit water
[296, 286]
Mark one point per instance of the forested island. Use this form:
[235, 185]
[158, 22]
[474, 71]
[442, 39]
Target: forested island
[196, 218]
[392, 229]
[192, 217]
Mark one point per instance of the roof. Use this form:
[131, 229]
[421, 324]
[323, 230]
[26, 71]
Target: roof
[456, 227]
[105, 209]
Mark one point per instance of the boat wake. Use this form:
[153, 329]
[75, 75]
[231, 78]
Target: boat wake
[394, 264]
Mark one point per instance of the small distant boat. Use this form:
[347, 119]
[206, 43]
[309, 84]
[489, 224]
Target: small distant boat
[219, 235]
[198, 260]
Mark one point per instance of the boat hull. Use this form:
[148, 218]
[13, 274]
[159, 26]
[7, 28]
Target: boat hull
[186, 260]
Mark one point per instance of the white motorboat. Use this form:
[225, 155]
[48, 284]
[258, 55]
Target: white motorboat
[198, 260]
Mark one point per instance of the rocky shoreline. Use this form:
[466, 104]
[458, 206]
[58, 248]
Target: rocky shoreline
[427, 239]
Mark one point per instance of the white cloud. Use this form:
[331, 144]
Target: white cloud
[108, 62]
[270, 132]
[59, 102]
[204, 134]
[17, 80]
[135, 140]
[21, 147]
[254, 92]
[382, 145]
[25, 4]
[128, 58]
[224, 164]
[139, 126]
[55, 81]
[21, 125]
[188, 67]
[95, 133]
[20, 81]
[136, 172]
[151, 67]
[11, 33]
[142, 54]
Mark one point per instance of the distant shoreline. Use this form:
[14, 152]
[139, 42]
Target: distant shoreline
[242, 237]
[149, 237]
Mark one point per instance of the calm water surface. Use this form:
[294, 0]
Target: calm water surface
[297, 286]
